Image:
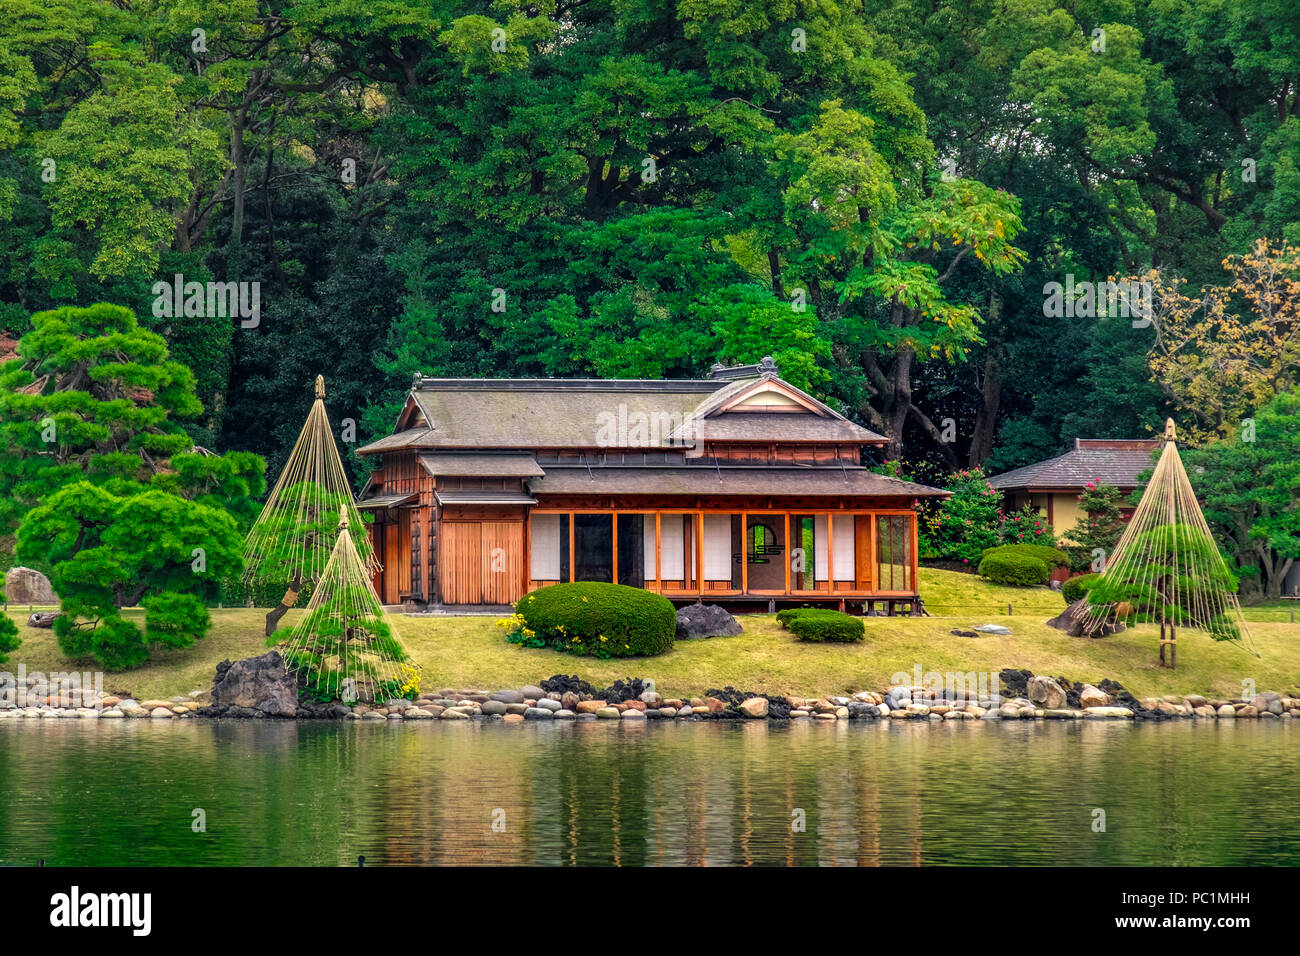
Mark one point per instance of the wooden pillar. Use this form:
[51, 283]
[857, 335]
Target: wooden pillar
[613, 564]
[788, 550]
[830, 552]
[699, 551]
[916, 557]
[659, 547]
[744, 552]
[573, 556]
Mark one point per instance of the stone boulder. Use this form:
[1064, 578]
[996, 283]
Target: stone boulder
[25, 586]
[42, 619]
[1091, 696]
[1046, 692]
[256, 683]
[1073, 621]
[697, 621]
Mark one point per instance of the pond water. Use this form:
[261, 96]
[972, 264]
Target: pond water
[464, 793]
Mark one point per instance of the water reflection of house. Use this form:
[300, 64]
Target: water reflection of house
[739, 487]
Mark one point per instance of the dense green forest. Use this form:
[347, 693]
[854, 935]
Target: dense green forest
[876, 193]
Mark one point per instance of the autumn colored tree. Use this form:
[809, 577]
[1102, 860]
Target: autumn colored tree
[1233, 347]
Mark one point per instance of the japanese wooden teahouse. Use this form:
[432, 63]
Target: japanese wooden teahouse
[738, 489]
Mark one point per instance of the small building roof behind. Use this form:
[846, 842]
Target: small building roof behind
[1113, 461]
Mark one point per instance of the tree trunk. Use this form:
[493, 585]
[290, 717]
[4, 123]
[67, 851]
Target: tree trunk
[981, 442]
[287, 602]
[902, 401]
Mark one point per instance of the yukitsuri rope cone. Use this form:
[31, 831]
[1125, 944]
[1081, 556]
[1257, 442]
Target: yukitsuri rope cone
[344, 647]
[1166, 566]
[292, 538]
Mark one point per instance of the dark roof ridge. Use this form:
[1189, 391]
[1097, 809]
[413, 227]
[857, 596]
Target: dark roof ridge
[571, 384]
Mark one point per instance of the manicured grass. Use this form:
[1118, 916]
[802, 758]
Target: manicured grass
[472, 652]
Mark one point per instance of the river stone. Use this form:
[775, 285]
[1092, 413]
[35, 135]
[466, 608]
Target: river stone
[991, 629]
[452, 713]
[112, 713]
[1090, 696]
[551, 705]
[261, 683]
[608, 713]
[532, 692]
[160, 712]
[416, 713]
[667, 711]
[508, 697]
[757, 707]
[564, 714]
[516, 709]
[28, 586]
[633, 714]
[1045, 691]
[696, 621]
[493, 707]
[538, 713]
[1105, 712]
[589, 706]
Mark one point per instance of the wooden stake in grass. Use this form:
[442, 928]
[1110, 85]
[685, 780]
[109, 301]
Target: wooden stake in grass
[1166, 566]
[292, 539]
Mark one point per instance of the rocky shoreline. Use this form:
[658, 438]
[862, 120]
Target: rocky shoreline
[1028, 697]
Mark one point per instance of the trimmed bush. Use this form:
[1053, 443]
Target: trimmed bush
[821, 625]
[592, 617]
[783, 616]
[1052, 557]
[1004, 566]
[1075, 588]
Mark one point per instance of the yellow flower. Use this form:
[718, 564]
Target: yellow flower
[603, 637]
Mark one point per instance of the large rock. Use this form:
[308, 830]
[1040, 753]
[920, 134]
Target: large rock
[754, 707]
[1046, 692]
[705, 620]
[25, 586]
[1091, 696]
[42, 619]
[258, 683]
[1074, 622]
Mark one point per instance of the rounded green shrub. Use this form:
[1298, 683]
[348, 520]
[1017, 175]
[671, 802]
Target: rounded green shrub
[1052, 557]
[783, 616]
[1002, 566]
[604, 620]
[1073, 589]
[822, 625]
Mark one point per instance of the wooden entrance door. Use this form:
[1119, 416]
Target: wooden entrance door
[481, 562]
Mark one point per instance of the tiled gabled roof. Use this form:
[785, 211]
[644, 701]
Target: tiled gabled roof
[1113, 461]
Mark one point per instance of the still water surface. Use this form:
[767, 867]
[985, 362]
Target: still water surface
[719, 794]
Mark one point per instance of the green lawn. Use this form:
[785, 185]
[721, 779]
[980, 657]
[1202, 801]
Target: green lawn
[471, 651]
